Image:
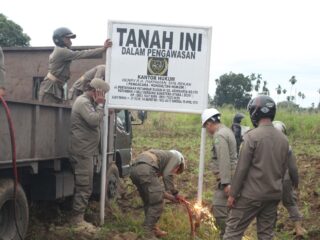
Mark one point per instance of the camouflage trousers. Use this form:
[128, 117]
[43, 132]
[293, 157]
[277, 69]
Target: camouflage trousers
[83, 172]
[244, 211]
[219, 209]
[289, 201]
[151, 191]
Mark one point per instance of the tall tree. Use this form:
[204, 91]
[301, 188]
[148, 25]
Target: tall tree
[265, 90]
[293, 81]
[299, 95]
[256, 81]
[303, 96]
[279, 91]
[233, 89]
[11, 34]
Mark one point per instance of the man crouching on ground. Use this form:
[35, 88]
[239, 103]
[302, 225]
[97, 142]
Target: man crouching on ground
[145, 173]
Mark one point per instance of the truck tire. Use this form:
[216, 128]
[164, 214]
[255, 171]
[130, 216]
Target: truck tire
[8, 229]
[112, 183]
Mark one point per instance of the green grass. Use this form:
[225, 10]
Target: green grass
[182, 132]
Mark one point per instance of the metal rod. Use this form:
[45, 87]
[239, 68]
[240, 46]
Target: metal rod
[201, 165]
[104, 163]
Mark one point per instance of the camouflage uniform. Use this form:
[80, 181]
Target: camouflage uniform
[289, 198]
[257, 182]
[224, 163]
[51, 88]
[86, 117]
[78, 87]
[2, 70]
[145, 173]
[236, 129]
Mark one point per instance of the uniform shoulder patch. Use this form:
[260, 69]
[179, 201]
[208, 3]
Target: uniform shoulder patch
[216, 140]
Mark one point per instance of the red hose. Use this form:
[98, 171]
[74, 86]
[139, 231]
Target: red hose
[14, 158]
[13, 143]
[187, 205]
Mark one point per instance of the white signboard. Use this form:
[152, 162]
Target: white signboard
[158, 67]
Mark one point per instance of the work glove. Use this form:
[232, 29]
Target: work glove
[179, 198]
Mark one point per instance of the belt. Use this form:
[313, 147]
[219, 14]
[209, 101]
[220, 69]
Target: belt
[81, 79]
[151, 155]
[54, 78]
[139, 162]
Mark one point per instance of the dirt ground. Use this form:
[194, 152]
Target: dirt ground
[49, 219]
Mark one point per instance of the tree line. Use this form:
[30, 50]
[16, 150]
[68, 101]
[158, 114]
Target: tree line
[233, 89]
[237, 90]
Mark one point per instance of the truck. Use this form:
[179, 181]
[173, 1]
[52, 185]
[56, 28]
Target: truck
[42, 158]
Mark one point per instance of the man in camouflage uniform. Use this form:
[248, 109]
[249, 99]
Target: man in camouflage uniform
[256, 187]
[77, 88]
[86, 116]
[2, 74]
[291, 182]
[236, 129]
[51, 88]
[145, 172]
[224, 163]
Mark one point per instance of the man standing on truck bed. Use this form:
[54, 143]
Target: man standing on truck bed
[2, 74]
[86, 116]
[51, 88]
[145, 173]
[77, 88]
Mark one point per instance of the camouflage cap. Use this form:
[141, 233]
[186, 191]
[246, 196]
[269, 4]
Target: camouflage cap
[98, 83]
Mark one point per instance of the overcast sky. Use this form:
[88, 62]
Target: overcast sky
[277, 38]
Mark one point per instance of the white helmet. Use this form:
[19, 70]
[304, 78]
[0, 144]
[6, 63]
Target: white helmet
[181, 159]
[210, 113]
[280, 126]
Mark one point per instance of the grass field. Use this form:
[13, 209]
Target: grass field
[182, 132]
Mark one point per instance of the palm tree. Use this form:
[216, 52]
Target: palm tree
[279, 91]
[292, 80]
[258, 79]
[265, 90]
[299, 95]
[303, 96]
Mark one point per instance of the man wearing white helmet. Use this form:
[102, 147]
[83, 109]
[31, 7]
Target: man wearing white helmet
[86, 116]
[291, 180]
[224, 158]
[145, 172]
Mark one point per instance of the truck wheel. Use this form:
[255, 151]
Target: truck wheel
[8, 229]
[112, 183]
